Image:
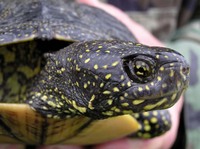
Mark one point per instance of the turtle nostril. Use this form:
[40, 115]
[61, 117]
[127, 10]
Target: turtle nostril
[186, 70]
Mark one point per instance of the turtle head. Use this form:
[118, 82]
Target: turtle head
[100, 79]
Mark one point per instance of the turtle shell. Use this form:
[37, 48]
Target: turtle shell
[28, 29]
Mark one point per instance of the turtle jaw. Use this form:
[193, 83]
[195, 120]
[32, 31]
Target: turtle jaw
[149, 104]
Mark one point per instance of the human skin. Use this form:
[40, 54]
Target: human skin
[162, 142]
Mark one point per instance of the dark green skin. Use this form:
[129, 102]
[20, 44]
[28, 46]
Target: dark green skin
[59, 90]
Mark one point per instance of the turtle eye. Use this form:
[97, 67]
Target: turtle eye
[140, 69]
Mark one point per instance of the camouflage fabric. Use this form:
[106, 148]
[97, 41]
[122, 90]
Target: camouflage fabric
[160, 15]
[187, 41]
[177, 22]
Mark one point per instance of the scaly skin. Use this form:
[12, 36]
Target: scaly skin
[100, 78]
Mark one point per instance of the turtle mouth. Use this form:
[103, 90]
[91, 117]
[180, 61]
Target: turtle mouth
[162, 102]
[149, 104]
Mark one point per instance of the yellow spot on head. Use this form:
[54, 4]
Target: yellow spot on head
[147, 127]
[174, 96]
[107, 92]
[51, 103]
[117, 110]
[115, 63]
[146, 122]
[49, 115]
[77, 84]
[125, 104]
[164, 85]
[87, 60]
[171, 74]
[129, 84]
[100, 47]
[69, 59]
[85, 85]
[115, 89]
[122, 77]
[110, 101]
[162, 68]
[150, 106]
[96, 66]
[159, 78]
[105, 66]
[87, 50]
[38, 94]
[155, 113]
[109, 113]
[81, 109]
[146, 135]
[77, 68]
[154, 120]
[125, 94]
[127, 111]
[59, 72]
[102, 85]
[166, 56]
[96, 77]
[136, 115]
[62, 97]
[163, 118]
[108, 76]
[136, 102]
[140, 89]
[43, 107]
[44, 98]
[166, 122]
[121, 98]
[62, 69]
[138, 44]
[90, 106]
[147, 87]
[146, 114]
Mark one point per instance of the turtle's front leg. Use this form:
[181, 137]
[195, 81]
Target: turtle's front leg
[153, 123]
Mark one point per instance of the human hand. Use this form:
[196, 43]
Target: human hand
[162, 142]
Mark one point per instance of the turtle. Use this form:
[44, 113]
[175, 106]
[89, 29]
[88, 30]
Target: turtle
[73, 74]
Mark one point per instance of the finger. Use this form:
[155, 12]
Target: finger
[59, 147]
[11, 146]
[118, 144]
[130, 144]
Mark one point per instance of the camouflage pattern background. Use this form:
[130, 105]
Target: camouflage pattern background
[177, 22]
